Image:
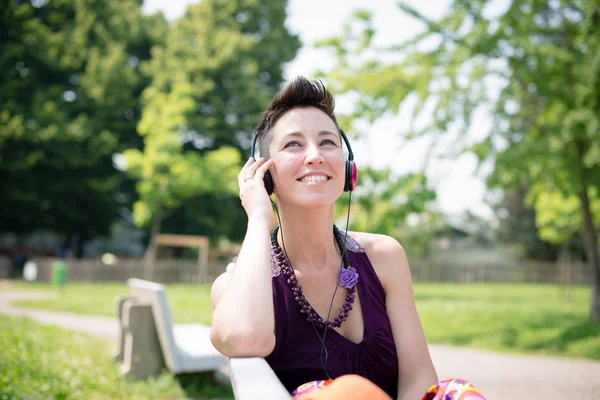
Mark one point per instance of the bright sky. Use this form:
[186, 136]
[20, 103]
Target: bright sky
[458, 188]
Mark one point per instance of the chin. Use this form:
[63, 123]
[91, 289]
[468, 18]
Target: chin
[316, 200]
[316, 203]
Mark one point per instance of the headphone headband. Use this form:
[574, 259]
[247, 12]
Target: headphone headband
[254, 144]
[345, 138]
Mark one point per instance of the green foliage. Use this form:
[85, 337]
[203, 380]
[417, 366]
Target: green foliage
[219, 68]
[88, 81]
[69, 101]
[40, 361]
[517, 225]
[231, 54]
[166, 174]
[544, 58]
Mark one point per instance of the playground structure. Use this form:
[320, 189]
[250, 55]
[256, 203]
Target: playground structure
[158, 241]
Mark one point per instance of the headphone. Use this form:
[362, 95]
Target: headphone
[351, 170]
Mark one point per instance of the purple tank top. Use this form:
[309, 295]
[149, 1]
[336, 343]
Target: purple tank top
[296, 356]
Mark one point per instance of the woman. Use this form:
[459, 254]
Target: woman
[284, 300]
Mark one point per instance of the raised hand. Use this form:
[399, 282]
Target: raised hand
[253, 194]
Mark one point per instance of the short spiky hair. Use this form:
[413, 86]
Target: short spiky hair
[298, 93]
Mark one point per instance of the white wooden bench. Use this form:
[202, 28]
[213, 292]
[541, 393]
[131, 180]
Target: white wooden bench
[149, 340]
[253, 379]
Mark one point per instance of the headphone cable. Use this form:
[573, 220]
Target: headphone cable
[342, 251]
[322, 340]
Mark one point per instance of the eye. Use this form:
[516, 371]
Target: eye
[328, 141]
[291, 144]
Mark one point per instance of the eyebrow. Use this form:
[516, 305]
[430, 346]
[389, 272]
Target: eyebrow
[299, 134]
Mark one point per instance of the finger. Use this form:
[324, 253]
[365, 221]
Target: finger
[252, 168]
[251, 161]
[249, 172]
[245, 169]
[260, 172]
[242, 174]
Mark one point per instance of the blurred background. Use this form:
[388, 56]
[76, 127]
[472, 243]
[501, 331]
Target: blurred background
[475, 125]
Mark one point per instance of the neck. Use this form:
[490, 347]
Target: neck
[308, 238]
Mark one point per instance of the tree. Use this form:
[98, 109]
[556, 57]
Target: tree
[516, 224]
[218, 70]
[166, 175]
[535, 66]
[69, 101]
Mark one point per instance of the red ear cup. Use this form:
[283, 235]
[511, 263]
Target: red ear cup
[351, 176]
[354, 174]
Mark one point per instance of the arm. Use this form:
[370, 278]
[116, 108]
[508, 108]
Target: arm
[243, 323]
[416, 370]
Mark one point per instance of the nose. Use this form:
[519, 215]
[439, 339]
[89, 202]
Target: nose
[313, 155]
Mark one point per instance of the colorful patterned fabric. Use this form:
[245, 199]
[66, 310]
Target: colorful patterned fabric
[355, 387]
[453, 389]
[310, 387]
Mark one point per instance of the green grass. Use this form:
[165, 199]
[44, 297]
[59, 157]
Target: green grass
[188, 303]
[46, 362]
[505, 317]
[510, 317]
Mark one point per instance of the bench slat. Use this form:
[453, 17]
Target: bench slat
[253, 379]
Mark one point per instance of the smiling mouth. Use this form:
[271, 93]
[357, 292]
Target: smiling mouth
[314, 179]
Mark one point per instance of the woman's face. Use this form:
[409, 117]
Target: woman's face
[308, 160]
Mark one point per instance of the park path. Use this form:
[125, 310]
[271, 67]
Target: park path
[498, 376]
[104, 327]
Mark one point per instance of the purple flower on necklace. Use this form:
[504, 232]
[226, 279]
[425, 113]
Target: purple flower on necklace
[348, 277]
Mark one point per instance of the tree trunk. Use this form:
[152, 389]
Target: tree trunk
[150, 255]
[590, 239]
[591, 249]
[80, 244]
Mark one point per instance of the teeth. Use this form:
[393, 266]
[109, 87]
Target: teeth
[314, 178]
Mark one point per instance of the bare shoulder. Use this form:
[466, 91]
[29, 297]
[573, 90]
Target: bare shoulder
[386, 255]
[377, 245]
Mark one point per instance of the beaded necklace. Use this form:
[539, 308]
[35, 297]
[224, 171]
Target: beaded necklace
[348, 277]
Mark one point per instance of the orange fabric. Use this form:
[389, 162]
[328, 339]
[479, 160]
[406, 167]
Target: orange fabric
[347, 387]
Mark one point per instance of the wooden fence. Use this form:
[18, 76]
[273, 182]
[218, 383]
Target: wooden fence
[188, 271]
[5, 267]
[166, 271]
[526, 271]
